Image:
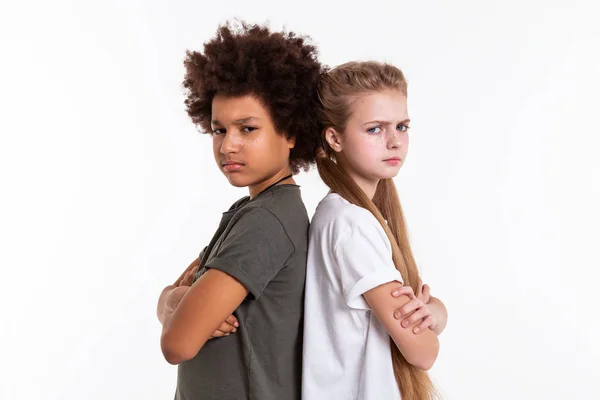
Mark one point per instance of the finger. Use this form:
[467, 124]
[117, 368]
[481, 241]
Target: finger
[417, 316]
[426, 293]
[178, 281]
[189, 278]
[225, 327]
[404, 290]
[231, 320]
[406, 309]
[426, 290]
[195, 263]
[219, 333]
[425, 324]
[409, 307]
[184, 280]
[188, 269]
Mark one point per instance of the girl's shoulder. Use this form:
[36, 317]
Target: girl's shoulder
[338, 214]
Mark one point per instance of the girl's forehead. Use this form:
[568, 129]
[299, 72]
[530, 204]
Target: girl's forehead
[389, 105]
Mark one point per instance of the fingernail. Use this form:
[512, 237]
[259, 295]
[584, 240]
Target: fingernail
[405, 324]
[397, 314]
[234, 330]
[236, 324]
[417, 330]
[396, 292]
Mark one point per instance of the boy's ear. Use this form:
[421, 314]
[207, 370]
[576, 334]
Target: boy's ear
[333, 139]
[291, 142]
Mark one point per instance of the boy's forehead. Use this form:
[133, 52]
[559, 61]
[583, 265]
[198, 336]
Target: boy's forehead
[237, 108]
[237, 121]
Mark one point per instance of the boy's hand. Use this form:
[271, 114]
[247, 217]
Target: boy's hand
[180, 288]
[174, 297]
[187, 277]
[228, 326]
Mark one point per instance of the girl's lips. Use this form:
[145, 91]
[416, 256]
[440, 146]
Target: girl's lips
[392, 161]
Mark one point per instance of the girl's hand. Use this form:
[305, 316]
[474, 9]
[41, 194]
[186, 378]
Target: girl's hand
[416, 311]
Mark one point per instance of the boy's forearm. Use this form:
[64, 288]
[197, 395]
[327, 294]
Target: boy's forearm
[442, 312]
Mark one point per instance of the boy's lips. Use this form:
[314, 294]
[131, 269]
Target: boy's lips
[231, 166]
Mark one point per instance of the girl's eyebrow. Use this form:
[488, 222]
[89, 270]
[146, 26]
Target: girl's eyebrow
[382, 122]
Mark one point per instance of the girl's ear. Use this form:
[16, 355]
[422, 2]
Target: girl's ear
[333, 139]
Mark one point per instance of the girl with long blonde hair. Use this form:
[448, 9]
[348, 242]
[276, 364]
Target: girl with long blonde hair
[371, 327]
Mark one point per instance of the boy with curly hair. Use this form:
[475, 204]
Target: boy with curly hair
[233, 320]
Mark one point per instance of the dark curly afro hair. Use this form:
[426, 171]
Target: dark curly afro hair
[279, 68]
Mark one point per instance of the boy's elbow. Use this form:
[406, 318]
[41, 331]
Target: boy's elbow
[174, 352]
[173, 357]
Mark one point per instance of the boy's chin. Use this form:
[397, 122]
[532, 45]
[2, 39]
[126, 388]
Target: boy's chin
[238, 180]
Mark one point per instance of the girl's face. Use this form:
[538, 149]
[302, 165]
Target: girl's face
[246, 146]
[375, 142]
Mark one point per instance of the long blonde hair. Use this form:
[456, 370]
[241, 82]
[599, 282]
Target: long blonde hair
[337, 90]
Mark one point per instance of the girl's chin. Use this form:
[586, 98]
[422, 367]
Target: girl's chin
[387, 175]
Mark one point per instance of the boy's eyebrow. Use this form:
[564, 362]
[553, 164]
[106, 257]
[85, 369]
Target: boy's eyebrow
[382, 122]
[240, 121]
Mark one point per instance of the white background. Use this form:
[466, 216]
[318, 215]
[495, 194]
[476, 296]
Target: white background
[108, 192]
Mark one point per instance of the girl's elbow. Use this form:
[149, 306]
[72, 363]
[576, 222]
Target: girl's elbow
[424, 363]
[424, 360]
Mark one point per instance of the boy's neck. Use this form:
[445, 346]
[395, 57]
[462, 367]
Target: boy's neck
[256, 189]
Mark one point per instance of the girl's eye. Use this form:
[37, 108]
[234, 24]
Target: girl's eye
[218, 131]
[248, 129]
[374, 130]
[402, 128]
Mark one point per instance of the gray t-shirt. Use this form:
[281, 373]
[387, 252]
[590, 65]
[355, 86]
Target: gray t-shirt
[263, 244]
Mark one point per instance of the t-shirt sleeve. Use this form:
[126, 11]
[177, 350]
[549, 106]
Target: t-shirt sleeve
[364, 257]
[256, 248]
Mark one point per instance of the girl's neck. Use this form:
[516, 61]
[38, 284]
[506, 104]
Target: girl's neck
[367, 185]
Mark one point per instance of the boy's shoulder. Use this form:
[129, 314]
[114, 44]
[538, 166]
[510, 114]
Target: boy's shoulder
[283, 202]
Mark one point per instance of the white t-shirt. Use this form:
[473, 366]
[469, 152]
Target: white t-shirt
[346, 348]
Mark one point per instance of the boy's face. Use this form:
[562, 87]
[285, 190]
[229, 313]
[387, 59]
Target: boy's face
[246, 146]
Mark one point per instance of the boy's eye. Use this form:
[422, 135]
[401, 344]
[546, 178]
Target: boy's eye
[218, 131]
[402, 128]
[249, 129]
[375, 129]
